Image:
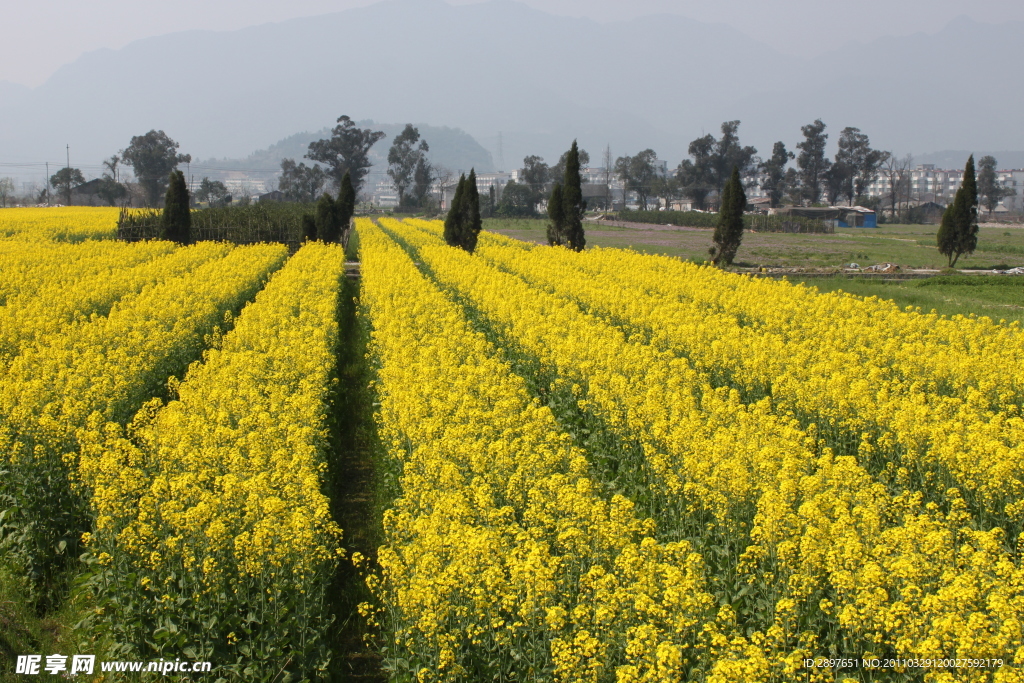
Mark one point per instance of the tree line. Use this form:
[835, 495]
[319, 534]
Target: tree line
[703, 176]
[716, 169]
[348, 151]
[700, 178]
[154, 156]
[566, 206]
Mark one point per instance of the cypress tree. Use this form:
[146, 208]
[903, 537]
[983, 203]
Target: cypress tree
[346, 201]
[724, 210]
[967, 220]
[729, 230]
[308, 227]
[472, 224]
[946, 236]
[574, 206]
[346, 206]
[958, 232]
[177, 216]
[326, 219]
[556, 214]
[453, 221]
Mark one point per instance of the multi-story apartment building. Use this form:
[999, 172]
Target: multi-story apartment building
[924, 184]
[1013, 180]
[382, 191]
[929, 184]
[485, 181]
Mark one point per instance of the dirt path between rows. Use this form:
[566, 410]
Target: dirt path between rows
[353, 494]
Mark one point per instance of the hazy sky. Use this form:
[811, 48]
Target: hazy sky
[41, 35]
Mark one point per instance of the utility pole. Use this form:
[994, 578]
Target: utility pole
[46, 185]
[608, 177]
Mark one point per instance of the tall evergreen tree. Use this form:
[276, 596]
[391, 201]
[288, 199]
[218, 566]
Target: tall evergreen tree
[308, 227]
[298, 182]
[811, 160]
[729, 231]
[637, 174]
[472, 223]
[403, 159]
[177, 217]
[990, 192]
[453, 221]
[556, 216]
[153, 156]
[64, 180]
[946, 236]
[958, 232]
[574, 206]
[536, 174]
[327, 218]
[346, 206]
[774, 170]
[422, 178]
[858, 163]
[347, 150]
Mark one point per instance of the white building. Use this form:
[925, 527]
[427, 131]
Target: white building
[383, 193]
[927, 184]
[1012, 180]
[597, 175]
[930, 184]
[243, 185]
[485, 181]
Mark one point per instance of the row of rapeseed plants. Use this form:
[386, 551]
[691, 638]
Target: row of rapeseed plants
[211, 524]
[502, 559]
[105, 365]
[790, 476]
[824, 475]
[165, 415]
[61, 224]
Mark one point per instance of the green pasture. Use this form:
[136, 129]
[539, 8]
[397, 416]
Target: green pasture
[1000, 297]
[909, 246]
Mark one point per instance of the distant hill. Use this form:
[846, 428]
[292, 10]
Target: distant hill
[449, 147]
[538, 80]
[499, 66]
[12, 92]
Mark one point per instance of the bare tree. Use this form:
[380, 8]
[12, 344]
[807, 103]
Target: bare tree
[111, 166]
[6, 190]
[445, 178]
[248, 192]
[897, 171]
[608, 178]
[907, 164]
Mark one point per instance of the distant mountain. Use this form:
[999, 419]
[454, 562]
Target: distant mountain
[501, 70]
[499, 66]
[449, 147]
[12, 92]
